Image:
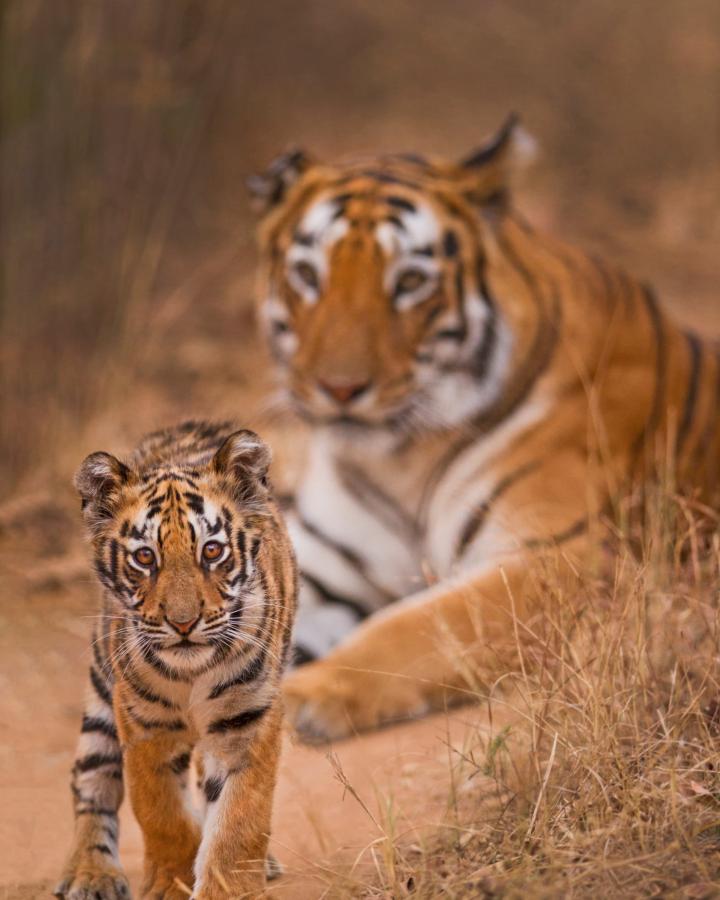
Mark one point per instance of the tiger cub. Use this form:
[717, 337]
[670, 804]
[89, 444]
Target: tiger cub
[199, 588]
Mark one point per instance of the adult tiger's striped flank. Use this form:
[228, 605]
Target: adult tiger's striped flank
[199, 590]
[476, 392]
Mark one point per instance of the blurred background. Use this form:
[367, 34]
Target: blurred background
[128, 130]
[128, 252]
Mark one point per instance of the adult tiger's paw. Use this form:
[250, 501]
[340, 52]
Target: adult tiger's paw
[324, 702]
[93, 881]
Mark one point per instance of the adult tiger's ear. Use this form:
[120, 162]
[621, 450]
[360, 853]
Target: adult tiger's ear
[491, 170]
[244, 456]
[98, 481]
[269, 188]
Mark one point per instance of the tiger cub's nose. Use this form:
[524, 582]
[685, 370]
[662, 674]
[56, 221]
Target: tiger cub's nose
[344, 392]
[183, 627]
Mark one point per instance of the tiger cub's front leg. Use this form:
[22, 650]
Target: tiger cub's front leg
[93, 867]
[157, 758]
[240, 758]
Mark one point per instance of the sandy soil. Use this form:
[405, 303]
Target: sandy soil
[317, 822]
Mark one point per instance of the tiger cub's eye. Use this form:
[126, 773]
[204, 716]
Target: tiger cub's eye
[212, 551]
[410, 280]
[145, 557]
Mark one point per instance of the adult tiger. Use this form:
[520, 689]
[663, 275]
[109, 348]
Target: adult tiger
[476, 392]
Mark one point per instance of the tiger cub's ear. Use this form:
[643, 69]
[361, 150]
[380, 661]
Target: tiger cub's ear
[98, 481]
[244, 456]
[269, 188]
[490, 170]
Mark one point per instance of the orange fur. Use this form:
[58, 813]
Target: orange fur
[188, 660]
[573, 382]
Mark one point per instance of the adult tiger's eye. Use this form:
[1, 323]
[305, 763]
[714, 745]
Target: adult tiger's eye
[410, 280]
[212, 551]
[307, 274]
[145, 557]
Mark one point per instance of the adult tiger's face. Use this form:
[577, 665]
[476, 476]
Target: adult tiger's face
[372, 286]
[176, 546]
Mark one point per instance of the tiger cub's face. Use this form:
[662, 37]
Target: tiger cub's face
[176, 547]
[372, 287]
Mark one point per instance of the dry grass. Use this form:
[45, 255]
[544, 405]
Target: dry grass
[610, 784]
[127, 133]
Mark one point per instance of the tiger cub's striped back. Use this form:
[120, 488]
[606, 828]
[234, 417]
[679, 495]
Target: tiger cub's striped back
[199, 591]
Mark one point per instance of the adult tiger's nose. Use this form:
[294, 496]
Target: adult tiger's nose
[184, 627]
[342, 391]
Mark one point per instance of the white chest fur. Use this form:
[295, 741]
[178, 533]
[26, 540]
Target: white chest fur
[390, 556]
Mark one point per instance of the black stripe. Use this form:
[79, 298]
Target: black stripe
[241, 540]
[305, 240]
[484, 353]
[414, 158]
[213, 529]
[433, 312]
[93, 810]
[153, 509]
[450, 244]
[152, 659]
[156, 724]
[102, 664]
[377, 501]
[102, 848]
[101, 688]
[251, 671]
[561, 537]
[302, 655]
[460, 297]
[401, 203]
[475, 522]
[96, 760]
[242, 720]
[544, 343]
[95, 724]
[329, 596]
[113, 559]
[695, 349]
[382, 176]
[145, 693]
[195, 502]
[180, 763]
[345, 553]
[536, 362]
[450, 334]
[658, 402]
[396, 221]
[213, 788]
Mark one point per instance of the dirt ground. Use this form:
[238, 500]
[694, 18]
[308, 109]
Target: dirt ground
[320, 830]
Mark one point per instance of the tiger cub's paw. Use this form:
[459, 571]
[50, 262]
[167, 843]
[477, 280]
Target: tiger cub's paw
[93, 881]
[324, 702]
